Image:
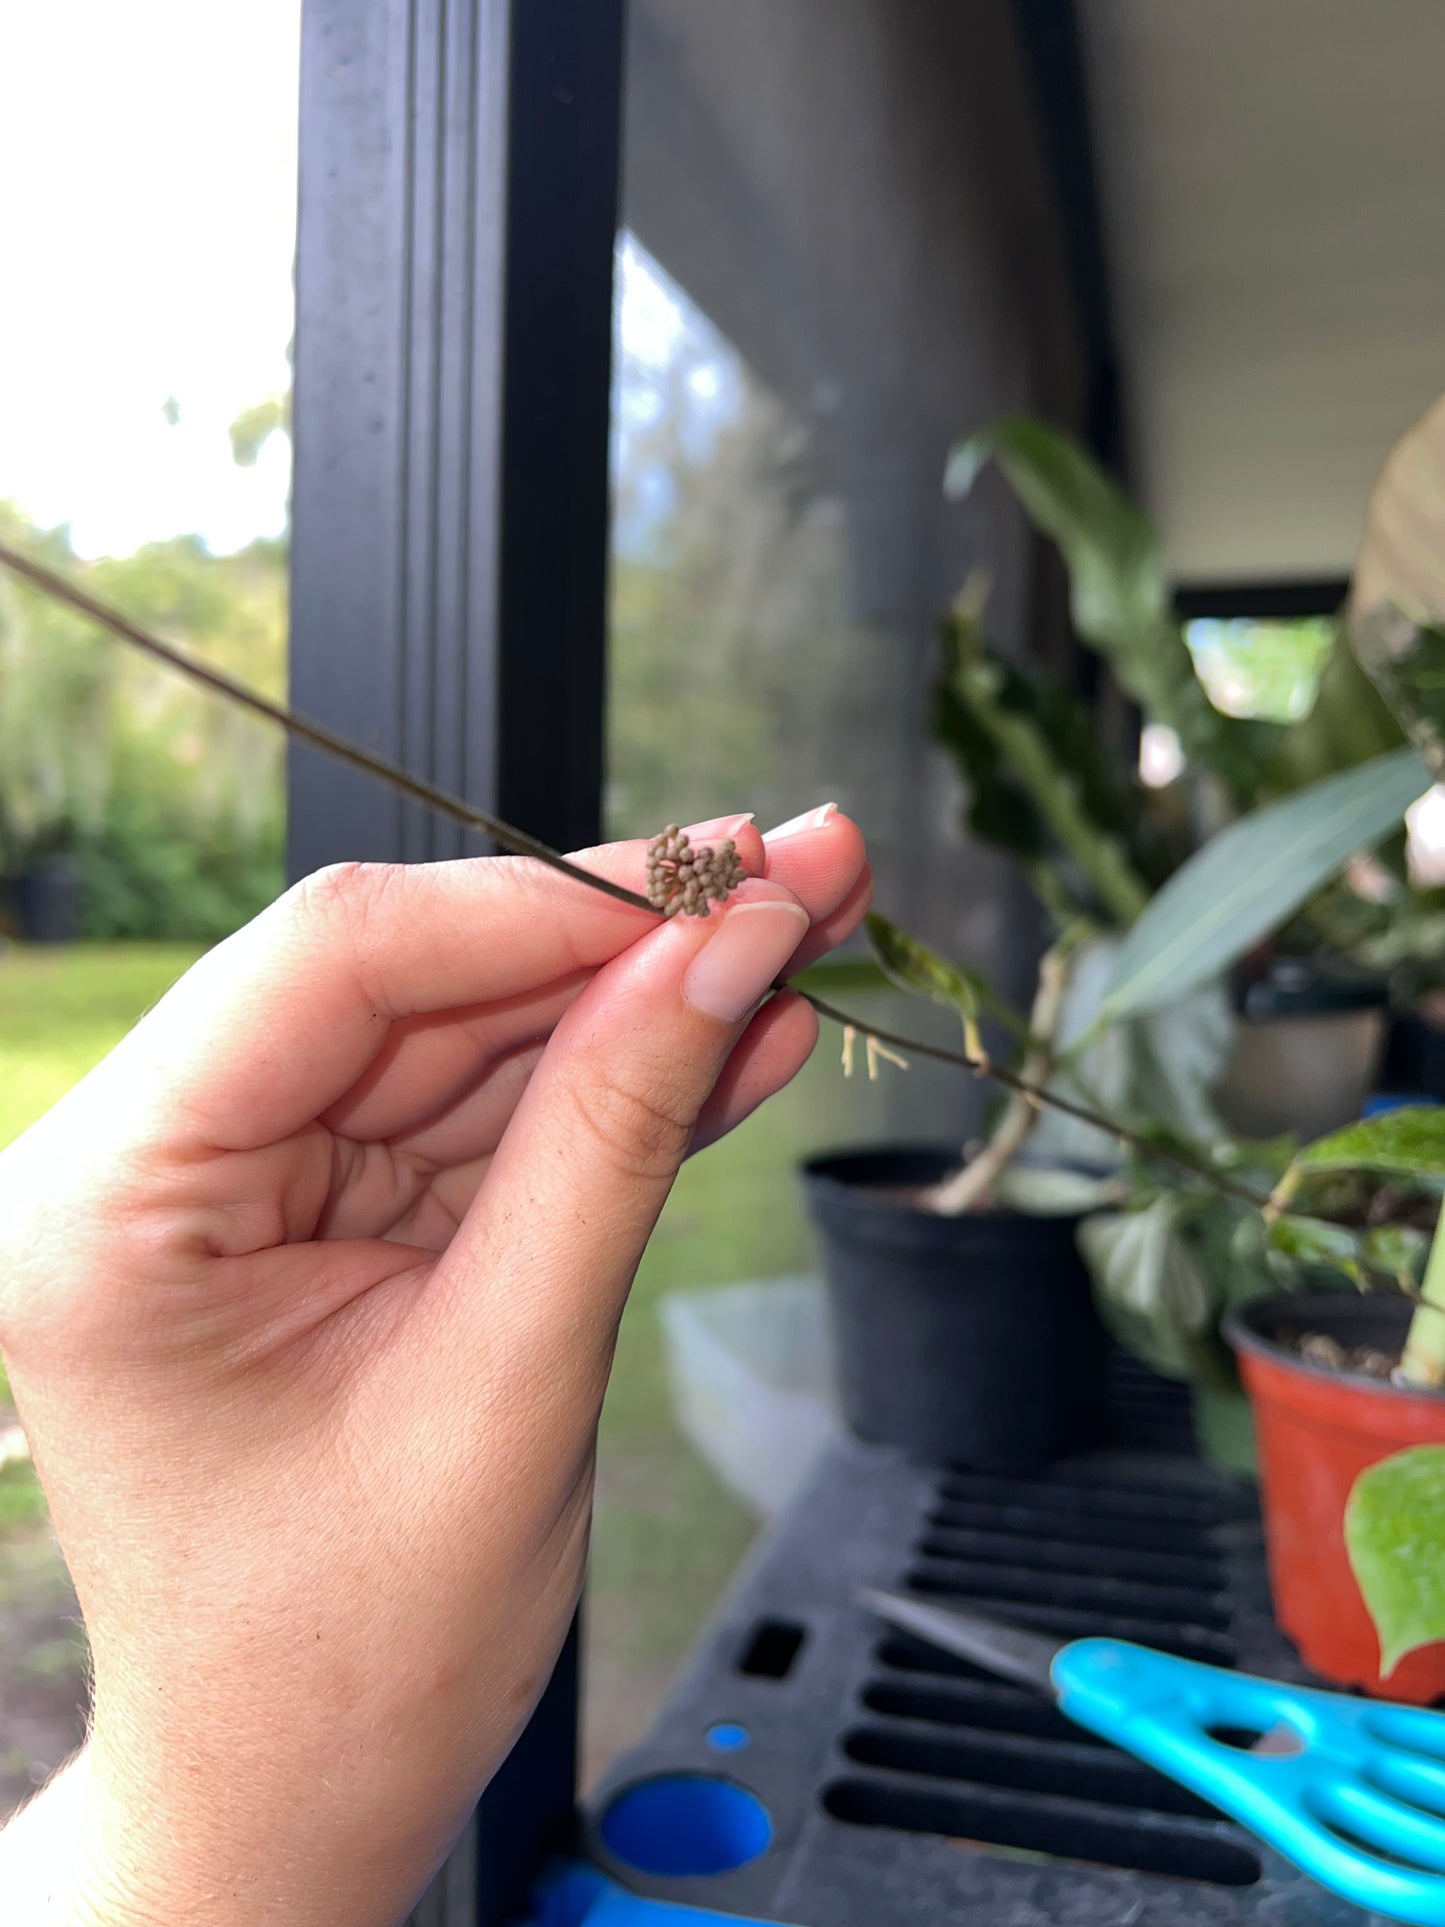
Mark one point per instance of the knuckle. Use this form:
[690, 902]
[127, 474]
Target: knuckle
[346, 896]
[334, 891]
[642, 1129]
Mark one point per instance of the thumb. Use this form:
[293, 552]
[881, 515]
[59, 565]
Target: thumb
[575, 1187]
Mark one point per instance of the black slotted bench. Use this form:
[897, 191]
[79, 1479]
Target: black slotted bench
[905, 1785]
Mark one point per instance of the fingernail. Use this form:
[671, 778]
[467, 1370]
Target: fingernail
[720, 825]
[735, 967]
[811, 820]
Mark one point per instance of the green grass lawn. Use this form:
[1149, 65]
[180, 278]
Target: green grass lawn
[667, 1533]
[62, 1009]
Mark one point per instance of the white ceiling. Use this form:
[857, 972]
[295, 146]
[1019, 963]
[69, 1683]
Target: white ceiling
[1273, 181]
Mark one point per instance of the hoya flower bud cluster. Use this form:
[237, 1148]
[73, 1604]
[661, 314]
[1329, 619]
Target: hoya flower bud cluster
[680, 878]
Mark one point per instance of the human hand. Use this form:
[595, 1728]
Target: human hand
[308, 1296]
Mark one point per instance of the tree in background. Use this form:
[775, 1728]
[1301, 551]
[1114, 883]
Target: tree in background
[166, 801]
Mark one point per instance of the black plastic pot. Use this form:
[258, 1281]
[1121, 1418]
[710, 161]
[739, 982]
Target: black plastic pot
[969, 1341]
[47, 902]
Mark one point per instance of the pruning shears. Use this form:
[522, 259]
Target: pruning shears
[1351, 1791]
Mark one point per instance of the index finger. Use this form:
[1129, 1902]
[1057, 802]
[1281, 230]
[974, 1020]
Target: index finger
[277, 1022]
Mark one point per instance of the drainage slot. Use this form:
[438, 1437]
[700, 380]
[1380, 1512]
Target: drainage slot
[1060, 1829]
[994, 1709]
[916, 1656]
[772, 1649]
[1029, 1765]
[1040, 1523]
[1199, 1571]
[1085, 1592]
[1164, 1503]
[1215, 1648]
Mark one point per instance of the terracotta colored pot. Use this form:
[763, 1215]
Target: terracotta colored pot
[1317, 1431]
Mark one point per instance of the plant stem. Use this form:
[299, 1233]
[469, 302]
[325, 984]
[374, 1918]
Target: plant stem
[421, 791]
[1050, 1100]
[1423, 1359]
[977, 1178]
[316, 734]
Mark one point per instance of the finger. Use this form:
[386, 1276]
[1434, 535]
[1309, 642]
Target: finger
[436, 1173]
[818, 856]
[833, 929]
[777, 1044]
[581, 1173]
[472, 1128]
[275, 1024]
[426, 1066]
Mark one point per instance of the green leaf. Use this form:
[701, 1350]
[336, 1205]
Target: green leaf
[1038, 776]
[1395, 1537]
[911, 965]
[1147, 1276]
[1253, 876]
[1149, 1072]
[1052, 1191]
[1315, 1242]
[1397, 1250]
[1119, 590]
[1349, 723]
[1409, 1142]
[835, 976]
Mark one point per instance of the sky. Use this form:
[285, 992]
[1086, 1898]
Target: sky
[148, 156]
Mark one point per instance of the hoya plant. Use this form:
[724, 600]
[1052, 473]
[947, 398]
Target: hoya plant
[1156, 899]
[1091, 836]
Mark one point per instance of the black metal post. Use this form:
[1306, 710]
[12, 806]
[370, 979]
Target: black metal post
[454, 278]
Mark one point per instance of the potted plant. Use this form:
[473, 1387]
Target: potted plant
[1349, 1394]
[956, 1282]
[1311, 1004]
[1169, 1226]
[1346, 1386]
[949, 1341]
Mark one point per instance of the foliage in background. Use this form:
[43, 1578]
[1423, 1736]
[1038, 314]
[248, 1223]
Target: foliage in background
[166, 801]
[1160, 899]
[1256, 716]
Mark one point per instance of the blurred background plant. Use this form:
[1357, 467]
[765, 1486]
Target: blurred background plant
[1232, 716]
[164, 804]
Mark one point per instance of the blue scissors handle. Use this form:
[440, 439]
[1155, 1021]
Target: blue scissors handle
[1361, 1793]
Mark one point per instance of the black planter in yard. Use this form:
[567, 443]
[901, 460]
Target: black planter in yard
[969, 1341]
[47, 902]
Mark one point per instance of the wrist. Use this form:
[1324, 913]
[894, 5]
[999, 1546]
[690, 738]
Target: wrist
[59, 1859]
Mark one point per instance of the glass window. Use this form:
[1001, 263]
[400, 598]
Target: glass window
[812, 303]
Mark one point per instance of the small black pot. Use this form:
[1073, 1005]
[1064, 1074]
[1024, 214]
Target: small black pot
[47, 902]
[969, 1341]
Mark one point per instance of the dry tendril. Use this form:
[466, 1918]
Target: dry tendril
[682, 879]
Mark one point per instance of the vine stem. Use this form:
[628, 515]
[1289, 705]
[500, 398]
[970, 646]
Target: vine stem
[60, 589]
[1049, 1100]
[968, 1186]
[316, 734]
[1423, 1360]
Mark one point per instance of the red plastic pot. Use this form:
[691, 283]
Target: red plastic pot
[1317, 1431]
